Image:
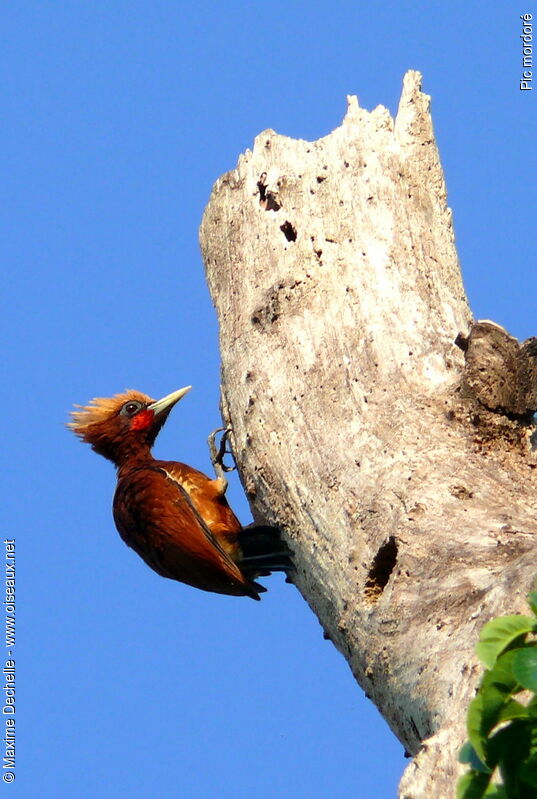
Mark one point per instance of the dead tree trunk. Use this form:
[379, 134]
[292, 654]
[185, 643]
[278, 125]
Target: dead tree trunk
[398, 464]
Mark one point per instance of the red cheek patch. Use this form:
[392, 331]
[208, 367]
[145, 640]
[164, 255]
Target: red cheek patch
[142, 420]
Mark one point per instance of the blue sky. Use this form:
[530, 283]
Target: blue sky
[116, 120]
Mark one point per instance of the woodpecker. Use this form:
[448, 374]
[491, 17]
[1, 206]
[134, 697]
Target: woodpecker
[174, 516]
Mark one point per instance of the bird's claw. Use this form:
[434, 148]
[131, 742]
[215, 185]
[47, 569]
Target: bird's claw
[218, 453]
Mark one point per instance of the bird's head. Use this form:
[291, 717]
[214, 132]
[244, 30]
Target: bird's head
[124, 425]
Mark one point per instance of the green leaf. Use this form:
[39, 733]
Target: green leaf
[532, 601]
[496, 792]
[525, 667]
[501, 675]
[512, 710]
[502, 731]
[474, 727]
[469, 755]
[528, 771]
[472, 785]
[482, 717]
[498, 633]
[532, 707]
[510, 747]
[466, 752]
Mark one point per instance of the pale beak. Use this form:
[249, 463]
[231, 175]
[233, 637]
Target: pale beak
[167, 402]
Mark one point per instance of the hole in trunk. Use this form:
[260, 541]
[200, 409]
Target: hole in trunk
[288, 231]
[381, 569]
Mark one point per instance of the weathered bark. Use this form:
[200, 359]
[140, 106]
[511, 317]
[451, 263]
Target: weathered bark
[407, 499]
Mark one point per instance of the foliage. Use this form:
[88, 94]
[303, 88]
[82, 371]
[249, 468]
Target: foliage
[502, 730]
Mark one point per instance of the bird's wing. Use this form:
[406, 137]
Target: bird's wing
[156, 517]
[208, 501]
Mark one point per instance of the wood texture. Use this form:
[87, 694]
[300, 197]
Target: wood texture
[409, 504]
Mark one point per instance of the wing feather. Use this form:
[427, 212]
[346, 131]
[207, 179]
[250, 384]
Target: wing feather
[156, 516]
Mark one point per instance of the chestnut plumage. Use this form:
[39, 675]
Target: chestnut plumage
[175, 517]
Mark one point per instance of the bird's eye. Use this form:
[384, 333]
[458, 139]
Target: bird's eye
[130, 408]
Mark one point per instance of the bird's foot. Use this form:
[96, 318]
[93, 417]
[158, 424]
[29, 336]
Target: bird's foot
[218, 454]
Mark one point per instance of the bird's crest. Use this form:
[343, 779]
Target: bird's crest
[100, 409]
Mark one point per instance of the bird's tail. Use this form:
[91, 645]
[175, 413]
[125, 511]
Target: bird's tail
[263, 551]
